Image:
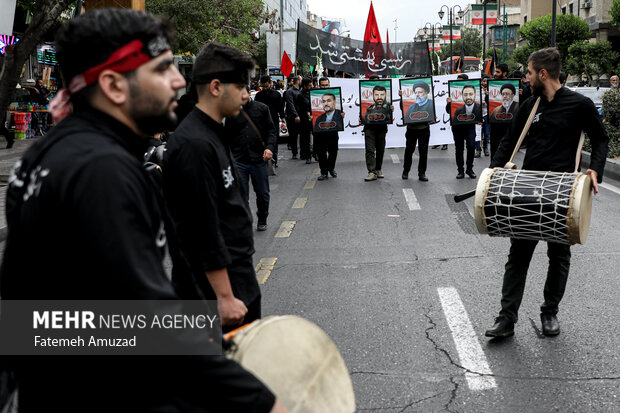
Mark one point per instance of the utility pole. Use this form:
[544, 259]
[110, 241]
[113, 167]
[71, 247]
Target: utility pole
[555, 9]
[484, 30]
[395, 30]
[281, 30]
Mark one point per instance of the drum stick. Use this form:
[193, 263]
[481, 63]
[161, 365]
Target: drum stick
[463, 197]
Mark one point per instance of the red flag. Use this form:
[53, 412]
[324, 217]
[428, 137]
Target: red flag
[287, 66]
[372, 36]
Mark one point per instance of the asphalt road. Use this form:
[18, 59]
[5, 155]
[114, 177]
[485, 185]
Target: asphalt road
[372, 273]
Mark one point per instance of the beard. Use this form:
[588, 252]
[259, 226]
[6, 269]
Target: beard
[536, 86]
[151, 115]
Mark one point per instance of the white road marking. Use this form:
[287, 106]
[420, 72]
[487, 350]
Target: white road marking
[610, 187]
[412, 201]
[395, 158]
[470, 352]
[393, 216]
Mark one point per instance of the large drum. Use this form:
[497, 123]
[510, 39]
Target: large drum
[299, 363]
[534, 205]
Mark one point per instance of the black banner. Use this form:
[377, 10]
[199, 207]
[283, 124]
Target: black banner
[357, 57]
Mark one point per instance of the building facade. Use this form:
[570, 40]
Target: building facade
[288, 12]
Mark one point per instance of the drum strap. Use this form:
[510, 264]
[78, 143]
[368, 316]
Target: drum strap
[509, 164]
[578, 157]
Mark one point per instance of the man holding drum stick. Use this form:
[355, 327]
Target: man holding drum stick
[552, 143]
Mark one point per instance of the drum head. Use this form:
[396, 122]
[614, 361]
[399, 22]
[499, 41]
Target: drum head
[482, 190]
[578, 220]
[299, 363]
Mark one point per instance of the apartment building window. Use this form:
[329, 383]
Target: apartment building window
[524, 19]
[570, 8]
[563, 9]
[301, 4]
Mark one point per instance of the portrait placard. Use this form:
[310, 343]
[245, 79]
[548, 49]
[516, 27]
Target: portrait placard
[465, 108]
[375, 102]
[503, 100]
[326, 110]
[417, 98]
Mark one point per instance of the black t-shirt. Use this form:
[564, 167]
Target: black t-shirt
[246, 146]
[554, 135]
[274, 101]
[86, 221]
[207, 202]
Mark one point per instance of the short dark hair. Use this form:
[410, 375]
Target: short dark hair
[329, 94]
[379, 88]
[503, 67]
[323, 79]
[374, 77]
[291, 79]
[467, 86]
[517, 74]
[306, 81]
[562, 78]
[486, 76]
[462, 76]
[90, 39]
[216, 57]
[548, 59]
[265, 79]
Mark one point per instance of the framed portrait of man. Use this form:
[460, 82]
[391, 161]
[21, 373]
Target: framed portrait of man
[277, 78]
[326, 110]
[376, 101]
[503, 100]
[417, 98]
[466, 108]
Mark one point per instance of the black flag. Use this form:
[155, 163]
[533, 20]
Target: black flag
[461, 64]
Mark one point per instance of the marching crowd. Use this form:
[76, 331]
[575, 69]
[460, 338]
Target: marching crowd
[101, 220]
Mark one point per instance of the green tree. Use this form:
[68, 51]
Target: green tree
[473, 45]
[614, 11]
[232, 22]
[46, 15]
[593, 59]
[537, 33]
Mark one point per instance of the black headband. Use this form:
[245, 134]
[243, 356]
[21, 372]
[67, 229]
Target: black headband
[229, 76]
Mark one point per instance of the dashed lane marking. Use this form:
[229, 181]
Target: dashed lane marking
[263, 269]
[470, 352]
[395, 158]
[412, 201]
[300, 202]
[310, 184]
[610, 187]
[286, 227]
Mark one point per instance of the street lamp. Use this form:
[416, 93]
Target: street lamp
[450, 23]
[432, 27]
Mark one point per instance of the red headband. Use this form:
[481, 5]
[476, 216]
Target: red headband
[125, 59]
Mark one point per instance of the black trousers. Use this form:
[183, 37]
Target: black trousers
[304, 140]
[374, 141]
[421, 138]
[498, 130]
[293, 134]
[326, 148]
[464, 136]
[521, 252]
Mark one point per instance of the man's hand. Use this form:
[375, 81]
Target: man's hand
[392, 108]
[278, 407]
[232, 310]
[594, 177]
[297, 119]
[449, 100]
[267, 155]
[400, 92]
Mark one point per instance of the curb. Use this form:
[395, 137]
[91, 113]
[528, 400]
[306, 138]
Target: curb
[612, 167]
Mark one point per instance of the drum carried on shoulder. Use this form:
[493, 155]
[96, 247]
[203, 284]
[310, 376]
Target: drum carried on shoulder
[299, 363]
[533, 205]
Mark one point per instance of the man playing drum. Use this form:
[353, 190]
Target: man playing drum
[552, 143]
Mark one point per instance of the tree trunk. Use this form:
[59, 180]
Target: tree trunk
[46, 15]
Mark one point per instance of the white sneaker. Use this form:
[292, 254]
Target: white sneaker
[379, 174]
[371, 177]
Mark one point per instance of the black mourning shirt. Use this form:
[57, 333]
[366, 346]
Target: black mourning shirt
[553, 138]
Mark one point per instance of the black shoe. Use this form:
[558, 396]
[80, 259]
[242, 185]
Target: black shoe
[422, 178]
[262, 226]
[460, 175]
[444, 147]
[405, 175]
[322, 177]
[435, 146]
[333, 173]
[550, 324]
[503, 327]
[478, 153]
[316, 157]
[470, 173]
[486, 152]
[308, 160]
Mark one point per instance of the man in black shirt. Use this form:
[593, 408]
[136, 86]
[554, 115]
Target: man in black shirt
[305, 113]
[293, 119]
[498, 129]
[552, 143]
[86, 221]
[326, 143]
[253, 140]
[464, 136]
[374, 140]
[273, 99]
[204, 191]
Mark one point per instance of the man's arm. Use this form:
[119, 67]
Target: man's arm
[280, 105]
[290, 103]
[599, 141]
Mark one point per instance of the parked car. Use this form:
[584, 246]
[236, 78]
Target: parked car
[594, 93]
